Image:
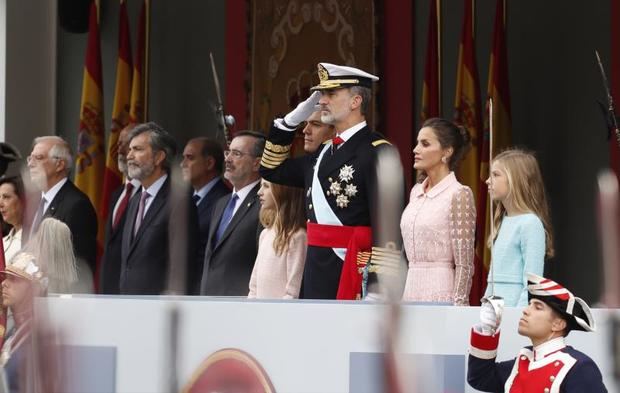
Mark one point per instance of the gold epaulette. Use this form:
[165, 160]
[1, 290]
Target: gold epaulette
[274, 155]
[379, 142]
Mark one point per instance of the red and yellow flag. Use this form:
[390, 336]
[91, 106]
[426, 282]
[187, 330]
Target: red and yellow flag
[112, 177]
[137, 113]
[430, 85]
[90, 151]
[467, 99]
[498, 91]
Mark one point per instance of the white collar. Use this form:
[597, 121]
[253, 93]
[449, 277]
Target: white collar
[242, 193]
[349, 132]
[207, 187]
[156, 186]
[51, 193]
[546, 348]
[135, 183]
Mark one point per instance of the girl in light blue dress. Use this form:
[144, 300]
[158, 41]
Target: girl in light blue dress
[523, 238]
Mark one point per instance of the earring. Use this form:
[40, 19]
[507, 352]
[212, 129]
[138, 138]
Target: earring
[444, 159]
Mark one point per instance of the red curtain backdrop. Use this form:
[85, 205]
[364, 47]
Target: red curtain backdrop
[397, 108]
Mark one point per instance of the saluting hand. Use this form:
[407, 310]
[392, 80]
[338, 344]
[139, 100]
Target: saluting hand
[302, 111]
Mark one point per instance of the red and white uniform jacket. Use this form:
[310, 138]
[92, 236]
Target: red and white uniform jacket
[552, 367]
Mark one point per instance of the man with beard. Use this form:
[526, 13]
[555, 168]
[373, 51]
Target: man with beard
[49, 164]
[147, 241]
[203, 159]
[235, 227]
[340, 182]
[119, 200]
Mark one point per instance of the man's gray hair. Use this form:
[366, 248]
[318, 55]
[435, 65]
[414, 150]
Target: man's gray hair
[159, 139]
[366, 95]
[60, 149]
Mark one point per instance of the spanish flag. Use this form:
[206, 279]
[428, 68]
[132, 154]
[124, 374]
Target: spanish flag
[90, 152]
[430, 85]
[467, 100]
[112, 177]
[137, 109]
[498, 91]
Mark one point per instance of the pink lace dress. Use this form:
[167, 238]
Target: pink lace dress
[438, 230]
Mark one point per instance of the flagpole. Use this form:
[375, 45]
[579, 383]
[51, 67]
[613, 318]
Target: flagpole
[147, 52]
[473, 18]
[439, 75]
[491, 199]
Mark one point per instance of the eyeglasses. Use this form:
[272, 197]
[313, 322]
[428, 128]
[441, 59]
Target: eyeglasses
[236, 153]
[39, 158]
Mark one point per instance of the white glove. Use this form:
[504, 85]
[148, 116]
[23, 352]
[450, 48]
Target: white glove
[489, 318]
[303, 110]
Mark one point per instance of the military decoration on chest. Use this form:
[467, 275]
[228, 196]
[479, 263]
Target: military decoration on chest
[342, 188]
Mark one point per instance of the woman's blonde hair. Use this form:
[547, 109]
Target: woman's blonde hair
[287, 217]
[526, 192]
[53, 248]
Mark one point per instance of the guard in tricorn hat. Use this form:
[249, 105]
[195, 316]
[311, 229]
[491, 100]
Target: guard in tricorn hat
[549, 365]
[341, 186]
[22, 281]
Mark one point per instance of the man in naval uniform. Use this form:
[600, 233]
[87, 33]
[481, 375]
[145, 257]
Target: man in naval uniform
[340, 181]
[549, 365]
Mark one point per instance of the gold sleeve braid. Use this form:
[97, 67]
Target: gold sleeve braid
[274, 155]
[385, 260]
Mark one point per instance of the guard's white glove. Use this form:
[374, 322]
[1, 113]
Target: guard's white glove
[490, 316]
[302, 111]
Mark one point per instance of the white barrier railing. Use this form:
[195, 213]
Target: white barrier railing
[303, 346]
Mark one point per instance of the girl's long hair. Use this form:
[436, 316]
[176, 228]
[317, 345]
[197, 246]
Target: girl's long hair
[288, 217]
[526, 192]
[53, 248]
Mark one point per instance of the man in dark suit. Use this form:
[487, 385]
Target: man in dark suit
[202, 164]
[150, 248]
[119, 200]
[49, 164]
[235, 226]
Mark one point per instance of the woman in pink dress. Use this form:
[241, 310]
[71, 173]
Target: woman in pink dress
[439, 224]
[282, 245]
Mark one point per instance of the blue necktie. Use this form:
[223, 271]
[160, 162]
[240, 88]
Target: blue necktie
[196, 199]
[226, 217]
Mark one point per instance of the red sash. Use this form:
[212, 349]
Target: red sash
[355, 240]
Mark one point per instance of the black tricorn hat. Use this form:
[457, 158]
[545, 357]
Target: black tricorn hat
[574, 310]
